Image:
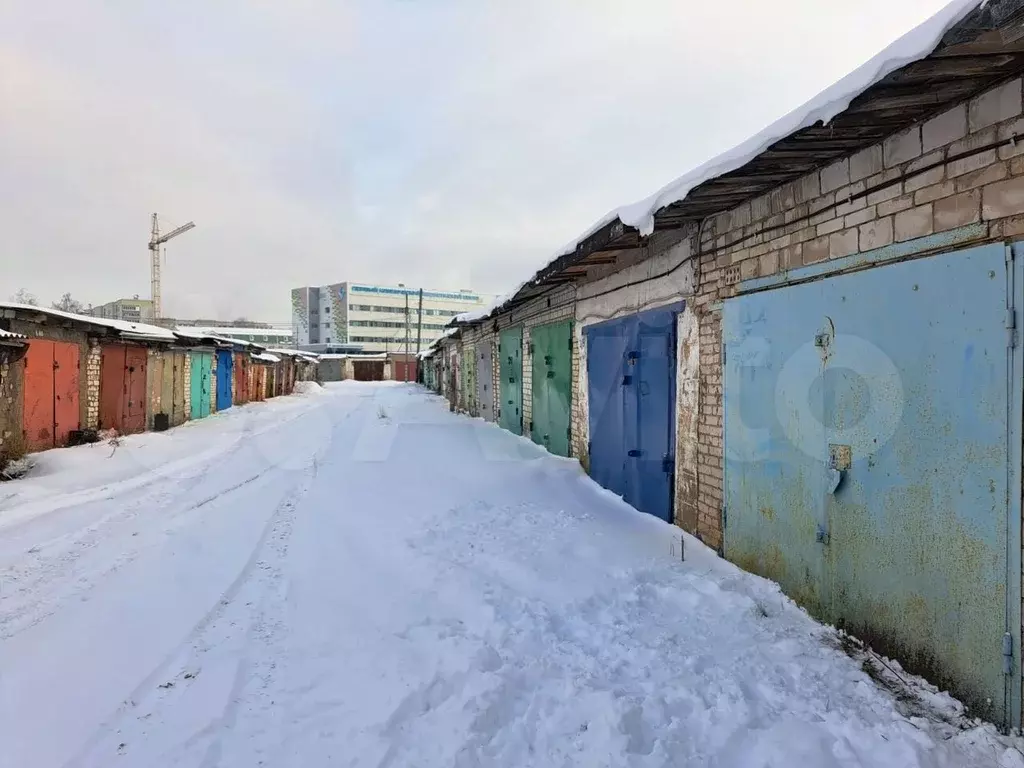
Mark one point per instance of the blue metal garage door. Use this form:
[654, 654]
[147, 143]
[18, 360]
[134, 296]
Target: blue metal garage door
[631, 376]
[872, 447]
[225, 372]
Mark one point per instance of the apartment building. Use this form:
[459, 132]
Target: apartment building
[134, 310]
[374, 317]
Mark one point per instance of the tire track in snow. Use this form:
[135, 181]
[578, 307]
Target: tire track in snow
[277, 531]
[52, 571]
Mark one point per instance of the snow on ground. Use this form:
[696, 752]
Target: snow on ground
[364, 579]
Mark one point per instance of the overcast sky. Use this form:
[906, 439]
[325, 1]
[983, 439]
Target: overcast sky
[442, 143]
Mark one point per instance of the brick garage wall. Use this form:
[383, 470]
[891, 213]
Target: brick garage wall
[188, 386]
[213, 382]
[467, 357]
[928, 179]
[12, 397]
[92, 385]
[663, 273]
[154, 384]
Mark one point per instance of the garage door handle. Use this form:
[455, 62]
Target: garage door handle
[635, 453]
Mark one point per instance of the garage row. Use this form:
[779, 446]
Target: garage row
[66, 377]
[806, 353]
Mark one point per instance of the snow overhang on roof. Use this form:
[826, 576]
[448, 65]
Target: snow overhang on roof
[963, 50]
[9, 337]
[264, 357]
[126, 330]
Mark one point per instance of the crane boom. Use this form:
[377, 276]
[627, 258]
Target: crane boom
[155, 241]
[173, 233]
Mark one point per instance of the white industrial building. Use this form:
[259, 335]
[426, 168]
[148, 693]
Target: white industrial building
[375, 318]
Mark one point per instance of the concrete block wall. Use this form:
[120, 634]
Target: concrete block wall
[91, 367]
[962, 167]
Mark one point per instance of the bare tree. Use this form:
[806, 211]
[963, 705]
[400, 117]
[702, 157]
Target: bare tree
[69, 304]
[24, 297]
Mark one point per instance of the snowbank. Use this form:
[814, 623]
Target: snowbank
[308, 388]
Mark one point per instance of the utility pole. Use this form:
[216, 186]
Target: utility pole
[419, 326]
[155, 241]
[407, 332]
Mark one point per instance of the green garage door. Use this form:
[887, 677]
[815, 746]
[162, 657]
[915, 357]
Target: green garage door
[510, 389]
[551, 347]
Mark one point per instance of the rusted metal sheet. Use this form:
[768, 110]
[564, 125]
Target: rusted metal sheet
[870, 431]
[405, 370]
[52, 398]
[368, 370]
[123, 388]
[241, 372]
[39, 393]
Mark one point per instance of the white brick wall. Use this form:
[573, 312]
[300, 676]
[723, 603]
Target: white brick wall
[92, 385]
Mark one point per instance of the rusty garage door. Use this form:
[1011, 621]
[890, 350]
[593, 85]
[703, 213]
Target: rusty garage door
[872, 425]
[51, 393]
[368, 370]
[123, 388]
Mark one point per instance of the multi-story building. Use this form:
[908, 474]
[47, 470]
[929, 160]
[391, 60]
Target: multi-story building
[374, 317]
[134, 310]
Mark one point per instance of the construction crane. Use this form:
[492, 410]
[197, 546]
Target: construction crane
[155, 241]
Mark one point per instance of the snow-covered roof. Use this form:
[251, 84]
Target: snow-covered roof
[349, 356]
[912, 47]
[265, 357]
[216, 330]
[137, 331]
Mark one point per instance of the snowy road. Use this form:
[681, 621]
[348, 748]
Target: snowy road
[359, 578]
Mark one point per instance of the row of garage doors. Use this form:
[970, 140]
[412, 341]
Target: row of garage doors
[129, 378]
[631, 367]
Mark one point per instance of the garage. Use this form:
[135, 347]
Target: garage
[872, 443]
[485, 380]
[123, 388]
[368, 370]
[551, 351]
[631, 386]
[202, 380]
[52, 393]
[225, 378]
[510, 388]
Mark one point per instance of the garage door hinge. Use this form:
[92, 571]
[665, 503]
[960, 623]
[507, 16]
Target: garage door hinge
[1007, 654]
[1011, 327]
[725, 516]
